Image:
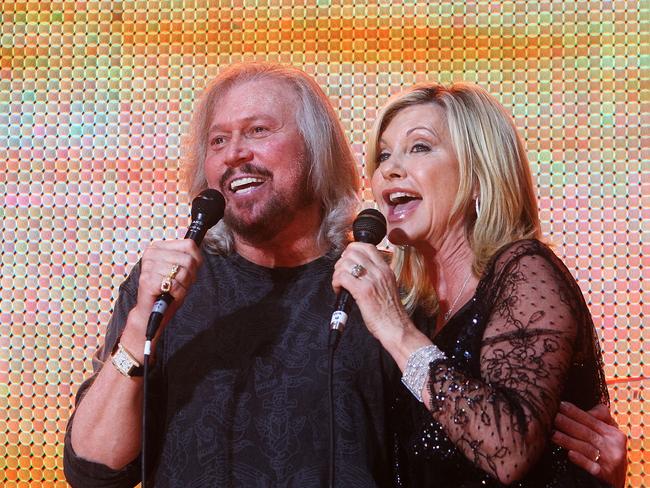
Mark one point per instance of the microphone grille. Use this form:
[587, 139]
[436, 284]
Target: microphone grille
[209, 205]
[369, 226]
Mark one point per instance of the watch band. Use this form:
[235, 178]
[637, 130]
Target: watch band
[125, 363]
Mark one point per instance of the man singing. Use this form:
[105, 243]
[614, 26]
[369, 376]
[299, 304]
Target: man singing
[239, 382]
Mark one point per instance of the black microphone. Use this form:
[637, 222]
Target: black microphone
[207, 210]
[370, 227]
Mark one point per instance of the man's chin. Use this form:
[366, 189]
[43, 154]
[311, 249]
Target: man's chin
[253, 230]
[261, 221]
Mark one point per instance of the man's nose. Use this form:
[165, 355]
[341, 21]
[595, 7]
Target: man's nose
[238, 151]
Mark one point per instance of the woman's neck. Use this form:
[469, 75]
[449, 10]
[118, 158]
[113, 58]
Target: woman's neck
[450, 270]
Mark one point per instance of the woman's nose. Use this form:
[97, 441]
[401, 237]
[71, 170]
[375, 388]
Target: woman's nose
[392, 168]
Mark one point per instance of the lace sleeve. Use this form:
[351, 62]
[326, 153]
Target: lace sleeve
[501, 421]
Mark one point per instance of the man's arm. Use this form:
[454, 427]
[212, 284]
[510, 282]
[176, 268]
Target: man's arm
[108, 420]
[107, 423]
[593, 441]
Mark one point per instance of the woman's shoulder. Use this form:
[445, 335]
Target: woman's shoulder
[516, 251]
[523, 247]
[531, 254]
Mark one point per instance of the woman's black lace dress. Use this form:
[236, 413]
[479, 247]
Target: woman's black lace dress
[522, 344]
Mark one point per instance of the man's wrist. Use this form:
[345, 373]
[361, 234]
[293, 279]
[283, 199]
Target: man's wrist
[133, 335]
[125, 362]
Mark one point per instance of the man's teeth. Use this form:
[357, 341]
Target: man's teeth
[401, 197]
[242, 183]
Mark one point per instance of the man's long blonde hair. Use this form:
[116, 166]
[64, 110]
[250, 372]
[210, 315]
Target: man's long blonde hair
[493, 167]
[333, 175]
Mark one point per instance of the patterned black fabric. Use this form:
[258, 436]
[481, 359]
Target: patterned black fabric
[523, 343]
[240, 385]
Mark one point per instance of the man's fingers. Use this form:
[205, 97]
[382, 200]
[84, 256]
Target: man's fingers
[601, 412]
[579, 416]
[585, 463]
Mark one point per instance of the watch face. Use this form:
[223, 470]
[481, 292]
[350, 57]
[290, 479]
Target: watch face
[123, 362]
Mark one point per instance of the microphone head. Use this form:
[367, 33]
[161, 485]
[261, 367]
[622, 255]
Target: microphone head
[208, 206]
[369, 226]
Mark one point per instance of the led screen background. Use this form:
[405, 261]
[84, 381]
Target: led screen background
[95, 99]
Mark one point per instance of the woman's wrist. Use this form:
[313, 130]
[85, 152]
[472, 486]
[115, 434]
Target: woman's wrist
[416, 372]
[404, 342]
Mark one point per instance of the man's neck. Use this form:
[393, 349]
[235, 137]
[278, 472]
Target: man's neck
[291, 247]
[280, 256]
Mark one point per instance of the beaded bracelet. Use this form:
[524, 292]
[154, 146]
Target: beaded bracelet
[417, 368]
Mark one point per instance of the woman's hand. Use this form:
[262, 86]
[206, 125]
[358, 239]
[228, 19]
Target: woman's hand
[374, 288]
[593, 441]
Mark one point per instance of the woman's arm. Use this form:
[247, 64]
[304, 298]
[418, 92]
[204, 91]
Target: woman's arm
[501, 421]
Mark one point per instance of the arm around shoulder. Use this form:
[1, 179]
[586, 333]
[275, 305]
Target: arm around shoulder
[502, 419]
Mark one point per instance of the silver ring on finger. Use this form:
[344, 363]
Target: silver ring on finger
[358, 271]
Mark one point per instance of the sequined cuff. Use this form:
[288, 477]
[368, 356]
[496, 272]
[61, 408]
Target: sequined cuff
[417, 368]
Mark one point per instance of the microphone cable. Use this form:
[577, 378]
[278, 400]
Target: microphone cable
[369, 227]
[207, 210]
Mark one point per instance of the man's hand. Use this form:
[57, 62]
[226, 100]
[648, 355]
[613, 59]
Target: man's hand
[593, 441]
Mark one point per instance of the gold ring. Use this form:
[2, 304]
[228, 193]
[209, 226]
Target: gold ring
[174, 271]
[597, 455]
[166, 283]
[358, 271]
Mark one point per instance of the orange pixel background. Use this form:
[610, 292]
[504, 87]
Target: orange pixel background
[96, 96]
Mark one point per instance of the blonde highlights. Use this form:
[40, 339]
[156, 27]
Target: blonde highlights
[493, 167]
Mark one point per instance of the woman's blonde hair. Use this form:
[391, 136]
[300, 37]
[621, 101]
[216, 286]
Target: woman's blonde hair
[332, 167]
[493, 168]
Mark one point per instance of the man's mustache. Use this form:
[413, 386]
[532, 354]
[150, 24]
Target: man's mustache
[249, 169]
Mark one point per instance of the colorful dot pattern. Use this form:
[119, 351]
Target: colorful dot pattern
[95, 99]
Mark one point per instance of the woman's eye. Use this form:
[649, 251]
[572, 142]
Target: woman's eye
[419, 147]
[383, 156]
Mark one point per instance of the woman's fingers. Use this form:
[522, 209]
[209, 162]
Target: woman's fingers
[601, 412]
[584, 462]
[578, 423]
[366, 275]
[357, 262]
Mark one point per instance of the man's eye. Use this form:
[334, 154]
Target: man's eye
[259, 130]
[218, 140]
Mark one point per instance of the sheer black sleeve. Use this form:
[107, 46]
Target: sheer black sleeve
[501, 419]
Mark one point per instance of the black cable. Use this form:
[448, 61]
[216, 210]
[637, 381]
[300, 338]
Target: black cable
[143, 454]
[155, 319]
[333, 341]
[207, 209]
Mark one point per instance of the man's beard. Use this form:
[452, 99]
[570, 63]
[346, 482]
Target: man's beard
[275, 215]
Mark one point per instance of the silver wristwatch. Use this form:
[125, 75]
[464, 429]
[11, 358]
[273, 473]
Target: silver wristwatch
[125, 363]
